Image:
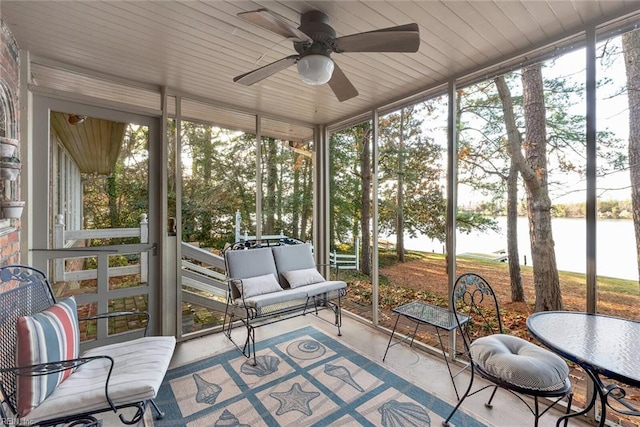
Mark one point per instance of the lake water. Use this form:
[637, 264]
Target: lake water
[616, 254]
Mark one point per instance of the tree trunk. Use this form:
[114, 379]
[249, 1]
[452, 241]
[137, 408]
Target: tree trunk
[206, 222]
[356, 189]
[514, 140]
[631, 49]
[400, 194]
[296, 205]
[365, 217]
[270, 197]
[545, 271]
[513, 254]
[279, 196]
[307, 202]
[112, 193]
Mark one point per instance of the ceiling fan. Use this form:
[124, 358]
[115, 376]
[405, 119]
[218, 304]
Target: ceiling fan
[315, 40]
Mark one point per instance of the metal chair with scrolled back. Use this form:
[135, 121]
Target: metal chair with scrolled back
[45, 381]
[506, 361]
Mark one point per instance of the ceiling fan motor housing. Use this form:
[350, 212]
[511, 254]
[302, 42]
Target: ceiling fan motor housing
[315, 24]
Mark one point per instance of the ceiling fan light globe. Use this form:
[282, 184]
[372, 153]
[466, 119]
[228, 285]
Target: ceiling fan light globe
[315, 69]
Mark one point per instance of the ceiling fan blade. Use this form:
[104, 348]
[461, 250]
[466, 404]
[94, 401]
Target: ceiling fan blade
[340, 85]
[270, 21]
[403, 38]
[262, 73]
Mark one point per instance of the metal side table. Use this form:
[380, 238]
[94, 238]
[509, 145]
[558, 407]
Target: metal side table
[427, 314]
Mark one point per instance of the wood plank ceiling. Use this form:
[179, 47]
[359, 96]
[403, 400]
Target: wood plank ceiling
[94, 144]
[195, 48]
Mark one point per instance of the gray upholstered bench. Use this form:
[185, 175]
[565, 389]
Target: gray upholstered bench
[270, 284]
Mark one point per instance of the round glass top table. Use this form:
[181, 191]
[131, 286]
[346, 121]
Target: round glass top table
[602, 345]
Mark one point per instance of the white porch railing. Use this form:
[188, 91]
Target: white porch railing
[264, 237]
[204, 271]
[63, 239]
[346, 261]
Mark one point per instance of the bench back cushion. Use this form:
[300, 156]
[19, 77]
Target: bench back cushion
[49, 336]
[243, 264]
[292, 257]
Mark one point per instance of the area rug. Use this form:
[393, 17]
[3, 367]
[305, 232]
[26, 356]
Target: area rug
[303, 378]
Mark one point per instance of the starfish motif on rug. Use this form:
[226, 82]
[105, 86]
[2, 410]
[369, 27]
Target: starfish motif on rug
[295, 399]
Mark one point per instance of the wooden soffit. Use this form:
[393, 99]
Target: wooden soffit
[94, 144]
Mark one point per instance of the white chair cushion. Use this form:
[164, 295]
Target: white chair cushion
[519, 362]
[139, 368]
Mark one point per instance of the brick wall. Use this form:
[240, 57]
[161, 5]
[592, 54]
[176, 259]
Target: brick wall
[9, 63]
[9, 77]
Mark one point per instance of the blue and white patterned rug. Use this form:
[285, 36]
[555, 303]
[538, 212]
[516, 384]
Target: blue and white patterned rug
[303, 378]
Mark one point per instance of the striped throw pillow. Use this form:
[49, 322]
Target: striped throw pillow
[49, 336]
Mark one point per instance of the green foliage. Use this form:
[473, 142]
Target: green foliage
[345, 186]
[468, 222]
[483, 151]
[410, 157]
[114, 261]
[118, 200]
[344, 248]
[610, 209]
[219, 176]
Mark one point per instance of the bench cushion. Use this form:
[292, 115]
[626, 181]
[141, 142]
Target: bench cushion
[261, 301]
[49, 336]
[316, 289]
[305, 276]
[138, 371]
[259, 285]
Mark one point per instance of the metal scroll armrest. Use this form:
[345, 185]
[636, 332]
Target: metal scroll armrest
[63, 365]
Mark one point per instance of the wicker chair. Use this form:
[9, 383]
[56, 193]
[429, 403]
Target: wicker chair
[43, 378]
[506, 361]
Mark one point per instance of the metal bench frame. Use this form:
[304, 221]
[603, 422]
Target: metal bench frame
[252, 318]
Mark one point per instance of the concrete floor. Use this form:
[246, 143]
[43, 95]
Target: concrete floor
[414, 364]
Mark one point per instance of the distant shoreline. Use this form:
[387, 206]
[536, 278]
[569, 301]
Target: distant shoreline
[616, 255]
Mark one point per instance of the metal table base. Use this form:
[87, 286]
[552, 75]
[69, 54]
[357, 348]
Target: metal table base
[427, 314]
